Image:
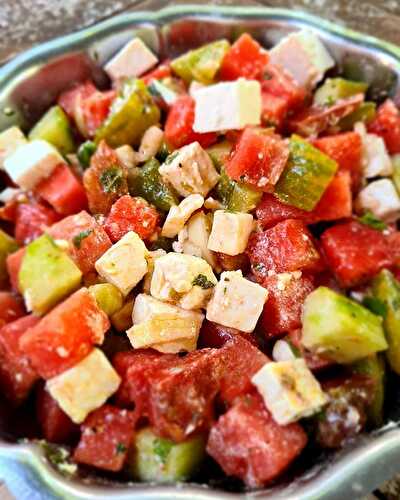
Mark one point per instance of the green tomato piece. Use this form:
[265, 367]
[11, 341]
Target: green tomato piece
[161, 460]
[108, 297]
[244, 198]
[339, 328]
[201, 64]
[7, 246]
[224, 188]
[386, 289]
[47, 275]
[219, 152]
[306, 175]
[364, 113]
[334, 89]
[132, 112]
[85, 152]
[54, 127]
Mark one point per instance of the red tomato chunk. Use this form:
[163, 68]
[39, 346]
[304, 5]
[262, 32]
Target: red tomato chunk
[32, 221]
[280, 83]
[273, 110]
[17, 376]
[387, 125]
[65, 335]
[11, 308]
[163, 70]
[249, 444]
[107, 434]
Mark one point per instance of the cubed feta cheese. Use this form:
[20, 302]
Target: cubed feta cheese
[150, 143]
[195, 86]
[85, 386]
[227, 105]
[31, 163]
[180, 214]
[9, 193]
[375, 158]
[283, 351]
[151, 257]
[132, 60]
[124, 264]
[304, 56]
[184, 280]
[289, 389]
[164, 327]
[10, 140]
[381, 198]
[190, 170]
[237, 302]
[230, 232]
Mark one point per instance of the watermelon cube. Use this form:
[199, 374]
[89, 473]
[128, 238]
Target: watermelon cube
[387, 125]
[11, 308]
[13, 263]
[32, 220]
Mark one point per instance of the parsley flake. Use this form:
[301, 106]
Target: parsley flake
[77, 240]
[202, 281]
[162, 448]
[120, 448]
[111, 179]
[370, 220]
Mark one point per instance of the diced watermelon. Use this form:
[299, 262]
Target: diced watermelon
[95, 109]
[70, 99]
[249, 444]
[87, 240]
[63, 191]
[11, 308]
[178, 129]
[215, 335]
[386, 124]
[56, 426]
[163, 70]
[270, 211]
[283, 309]
[274, 110]
[258, 158]
[131, 214]
[65, 335]
[32, 219]
[13, 263]
[245, 58]
[288, 246]
[17, 376]
[106, 437]
[280, 83]
[105, 180]
[355, 252]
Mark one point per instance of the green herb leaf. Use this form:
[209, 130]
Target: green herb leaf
[161, 448]
[375, 305]
[77, 240]
[120, 448]
[111, 179]
[370, 220]
[203, 282]
[85, 152]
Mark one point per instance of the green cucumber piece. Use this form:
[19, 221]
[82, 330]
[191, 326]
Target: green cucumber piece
[334, 89]
[54, 127]
[244, 198]
[85, 152]
[224, 188]
[108, 297]
[47, 275]
[396, 171]
[339, 328]
[7, 246]
[364, 113]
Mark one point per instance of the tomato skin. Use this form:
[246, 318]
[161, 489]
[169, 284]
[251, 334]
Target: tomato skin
[355, 252]
[163, 70]
[386, 124]
[63, 191]
[17, 375]
[106, 437]
[131, 214]
[11, 308]
[249, 444]
[246, 58]
[32, 219]
[258, 158]
[13, 263]
[179, 125]
[65, 335]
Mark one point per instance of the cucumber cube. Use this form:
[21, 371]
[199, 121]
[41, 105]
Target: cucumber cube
[54, 127]
[108, 297]
[7, 245]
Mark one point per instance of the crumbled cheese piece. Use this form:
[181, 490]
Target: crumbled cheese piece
[151, 257]
[8, 194]
[127, 156]
[212, 204]
[31, 163]
[195, 86]
[179, 215]
[289, 389]
[237, 302]
[124, 264]
[150, 144]
[132, 60]
[190, 170]
[230, 232]
[381, 198]
[227, 105]
[375, 158]
[85, 386]
[283, 351]
[304, 56]
[184, 280]
[10, 140]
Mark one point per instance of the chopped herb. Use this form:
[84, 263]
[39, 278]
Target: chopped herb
[85, 152]
[161, 448]
[329, 101]
[171, 157]
[203, 282]
[59, 457]
[120, 448]
[77, 240]
[225, 290]
[370, 220]
[259, 267]
[111, 179]
[375, 305]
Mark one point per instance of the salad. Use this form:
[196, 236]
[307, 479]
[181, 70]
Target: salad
[199, 266]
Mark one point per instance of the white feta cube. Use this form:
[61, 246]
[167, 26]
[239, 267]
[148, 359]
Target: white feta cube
[237, 302]
[31, 163]
[304, 56]
[375, 158]
[184, 280]
[151, 257]
[227, 105]
[380, 197]
[283, 351]
[134, 59]
[10, 140]
[9, 193]
[190, 170]
[180, 214]
[289, 389]
[195, 86]
[84, 387]
[230, 232]
[124, 264]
